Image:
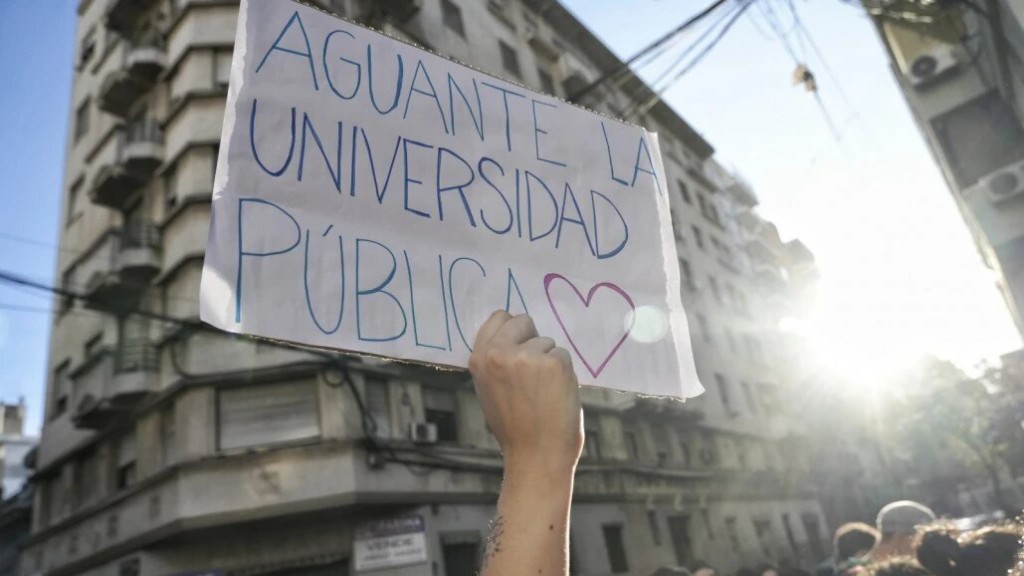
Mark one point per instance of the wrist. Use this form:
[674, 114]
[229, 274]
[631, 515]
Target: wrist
[540, 473]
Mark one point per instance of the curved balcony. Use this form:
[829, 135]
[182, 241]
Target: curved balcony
[113, 381]
[115, 272]
[143, 61]
[123, 15]
[140, 149]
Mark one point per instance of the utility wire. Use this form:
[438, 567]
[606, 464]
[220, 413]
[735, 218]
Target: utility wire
[645, 107]
[625, 66]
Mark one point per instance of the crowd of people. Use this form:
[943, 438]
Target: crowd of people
[908, 540]
[531, 400]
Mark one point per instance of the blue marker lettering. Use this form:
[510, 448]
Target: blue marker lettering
[242, 252]
[378, 289]
[308, 54]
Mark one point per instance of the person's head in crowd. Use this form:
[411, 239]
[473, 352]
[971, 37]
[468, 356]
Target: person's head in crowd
[703, 569]
[767, 570]
[672, 571]
[898, 522]
[855, 540]
[991, 551]
[898, 566]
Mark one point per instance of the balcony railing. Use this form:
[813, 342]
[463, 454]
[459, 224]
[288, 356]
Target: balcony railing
[113, 380]
[143, 59]
[124, 15]
[139, 150]
[116, 271]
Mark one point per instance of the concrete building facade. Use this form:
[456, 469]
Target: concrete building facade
[14, 446]
[959, 67]
[172, 450]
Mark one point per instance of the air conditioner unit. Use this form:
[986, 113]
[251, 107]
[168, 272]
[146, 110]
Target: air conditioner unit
[423, 432]
[929, 66]
[1004, 184]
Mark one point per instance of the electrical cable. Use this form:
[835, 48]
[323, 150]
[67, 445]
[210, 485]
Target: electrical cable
[639, 111]
[625, 66]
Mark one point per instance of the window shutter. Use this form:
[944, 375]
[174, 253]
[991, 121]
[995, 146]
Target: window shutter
[267, 414]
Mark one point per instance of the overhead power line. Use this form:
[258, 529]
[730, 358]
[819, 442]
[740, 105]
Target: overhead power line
[625, 66]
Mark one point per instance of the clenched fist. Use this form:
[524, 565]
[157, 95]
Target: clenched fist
[529, 394]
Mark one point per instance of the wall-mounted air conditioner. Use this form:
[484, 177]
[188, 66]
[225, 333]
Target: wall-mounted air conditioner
[933, 64]
[1004, 184]
[423, 432]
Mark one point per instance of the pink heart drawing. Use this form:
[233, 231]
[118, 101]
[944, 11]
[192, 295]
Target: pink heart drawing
[549, 278]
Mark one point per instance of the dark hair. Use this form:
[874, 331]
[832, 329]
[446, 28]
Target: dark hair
[854, 537]
[899, 566]
[989, 551]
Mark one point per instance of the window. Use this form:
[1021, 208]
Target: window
[733, 533]
[716, 291]
[452, 15]
[709, 530]
[684, 450]
[684, 191]
[125, 456]
[112, 526]
[741, 453]
[88, 47]
[787, 525]
[440, 409]
[812, 526]
[705, 330]
[82, 119]
[679, 531]
[592, 444]
[660, 444]
[703, 206]
[509, 59]
[74, 209]
[724, 393]
[256, 415]
[170, 189]
[168, 436]
[615, 547]
[748, 397]
[632, 450]
[687, 275]
[547, 83]
[460, 558]
[61, 389]
[378, 405]
[221, 68]
[698, 237]
[214, 156]
[86, 478]
[652, 523]
[765, 538]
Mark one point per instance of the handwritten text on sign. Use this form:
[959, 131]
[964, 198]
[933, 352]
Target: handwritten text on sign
[374, 197]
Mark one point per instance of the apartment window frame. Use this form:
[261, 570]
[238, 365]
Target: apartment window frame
[687, 275]
[705, 329]
[510, 59]
[592, 444]
[698, 237]
[546, 82]
[170, 185]
[684, 191]
[61, 389]
[632, 447]
[377, 397]
[446, 419]
[724, 393]
[83, 117]
[716, 290]
[88, 48]
[168, 436]
[654, 526]
[125, 461]
[306, 427]
[732, 531]
[73, 209]
[615, 546]
[451, 15]
[220, 75]
[748, 395]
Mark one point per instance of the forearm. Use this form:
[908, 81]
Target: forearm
[530, 533]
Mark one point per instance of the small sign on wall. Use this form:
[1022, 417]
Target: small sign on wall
[390, 543]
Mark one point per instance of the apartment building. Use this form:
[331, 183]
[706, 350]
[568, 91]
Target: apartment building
[14, 447]
[172, 450]
[959, 67]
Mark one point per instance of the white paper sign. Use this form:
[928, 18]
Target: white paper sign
[390, 543]
[374, 197]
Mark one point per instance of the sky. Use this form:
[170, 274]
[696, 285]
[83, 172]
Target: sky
[36, 52]
[900, 274]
